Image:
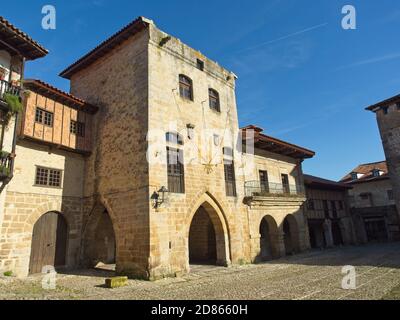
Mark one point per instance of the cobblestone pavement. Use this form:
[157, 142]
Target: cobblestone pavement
[311, 275]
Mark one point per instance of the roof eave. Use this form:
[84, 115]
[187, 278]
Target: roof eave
[106, 46]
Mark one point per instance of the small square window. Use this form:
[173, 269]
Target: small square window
[44, 117]
[385, 110]
[77, 128]
[48, 177]
[200, 64]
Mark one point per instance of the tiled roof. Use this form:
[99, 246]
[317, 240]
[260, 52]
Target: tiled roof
[19, 40]
[106, 46]
[366, 170]
[313, 181]
[58, 95]
[275, 145]
[384, 103]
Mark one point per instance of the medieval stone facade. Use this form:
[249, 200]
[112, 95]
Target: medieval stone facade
[163, 177]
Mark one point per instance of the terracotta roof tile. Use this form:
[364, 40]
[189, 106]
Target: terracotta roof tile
[45, 88]
[366, 170]
[32, 51]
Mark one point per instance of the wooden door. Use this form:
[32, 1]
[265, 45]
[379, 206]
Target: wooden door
[49, 242]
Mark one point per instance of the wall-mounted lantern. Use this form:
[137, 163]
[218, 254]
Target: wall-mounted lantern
[160, 197]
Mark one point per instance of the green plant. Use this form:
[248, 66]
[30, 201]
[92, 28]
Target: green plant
[4, 154]
[4, 171]
[13, 102]
[8, 274]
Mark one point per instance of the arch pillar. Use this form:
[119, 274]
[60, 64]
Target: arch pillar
[280, 244]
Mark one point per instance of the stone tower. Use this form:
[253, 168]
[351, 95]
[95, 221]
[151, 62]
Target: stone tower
[388, 117]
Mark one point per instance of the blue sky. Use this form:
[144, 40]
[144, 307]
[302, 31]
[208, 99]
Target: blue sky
[301, 76]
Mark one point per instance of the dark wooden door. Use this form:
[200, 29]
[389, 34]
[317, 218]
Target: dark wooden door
[49, 242]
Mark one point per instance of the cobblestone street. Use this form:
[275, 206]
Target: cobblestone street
[312, 275]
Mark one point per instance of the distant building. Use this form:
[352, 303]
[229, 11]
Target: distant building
[372, 203]
[327, 212]
[388, 117]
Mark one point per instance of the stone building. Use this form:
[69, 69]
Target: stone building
[327, 213]
[388, 117]
[163, 177]
[372, 203]
[43, 201]
[274, 196]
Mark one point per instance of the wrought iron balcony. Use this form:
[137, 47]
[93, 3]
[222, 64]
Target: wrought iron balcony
[5, 165]
[7, 87]
[264, 189]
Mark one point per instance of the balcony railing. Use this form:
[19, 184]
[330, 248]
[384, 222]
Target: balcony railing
[264, 189]
[7, 87]
[5, 165]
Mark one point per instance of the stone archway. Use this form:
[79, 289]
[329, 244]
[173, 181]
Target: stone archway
[99, 241]
[291, 235]
[268, 239]
[208, 235]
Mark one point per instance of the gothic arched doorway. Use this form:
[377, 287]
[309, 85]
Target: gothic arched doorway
[207, 239]
[99, 239]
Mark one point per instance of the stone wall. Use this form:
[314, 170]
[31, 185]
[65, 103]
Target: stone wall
[389, 126]
[22, 210]
[116, 174]
[378, 190]
[25, 203]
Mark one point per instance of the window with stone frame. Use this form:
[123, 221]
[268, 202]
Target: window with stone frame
[174, 138]
[185, 87]
[44, 117]
[48, 177]
[214, 100]
[77, 128]
[229, 172]
[176, 170]
[264, 181]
